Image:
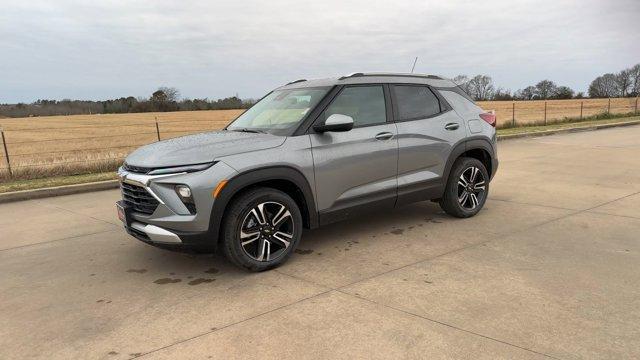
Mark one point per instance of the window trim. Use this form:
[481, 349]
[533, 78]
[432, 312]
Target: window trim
[387, 102]
[443, 104]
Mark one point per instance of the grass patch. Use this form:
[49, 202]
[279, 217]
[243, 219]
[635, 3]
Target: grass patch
[55, 181]
[565, 125]
[566, 120]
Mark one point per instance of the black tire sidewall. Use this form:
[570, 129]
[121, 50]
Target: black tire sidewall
[449, 201]
[236, 213]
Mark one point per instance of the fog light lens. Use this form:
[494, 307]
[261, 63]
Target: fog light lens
[183, 191]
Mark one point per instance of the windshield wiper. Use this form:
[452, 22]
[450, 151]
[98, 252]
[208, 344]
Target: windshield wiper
[247, 130]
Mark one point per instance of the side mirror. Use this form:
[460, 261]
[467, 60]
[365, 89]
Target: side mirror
[335, 122]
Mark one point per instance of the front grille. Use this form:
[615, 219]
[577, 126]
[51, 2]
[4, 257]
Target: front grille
[136, 169]
[138, 198]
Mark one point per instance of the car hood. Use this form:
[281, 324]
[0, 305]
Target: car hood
[200, 148]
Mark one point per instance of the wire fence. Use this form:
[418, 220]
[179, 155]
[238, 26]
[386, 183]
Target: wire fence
[64, 147]
[540, 112]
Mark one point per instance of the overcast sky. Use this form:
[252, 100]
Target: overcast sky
[85, 50]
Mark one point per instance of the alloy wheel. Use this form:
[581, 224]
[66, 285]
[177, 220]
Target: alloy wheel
[267, 231]
[471, 188]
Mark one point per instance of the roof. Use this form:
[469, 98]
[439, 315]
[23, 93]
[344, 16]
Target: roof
[369, 78]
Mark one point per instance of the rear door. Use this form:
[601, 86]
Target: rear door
[356, 170]
[427, 131]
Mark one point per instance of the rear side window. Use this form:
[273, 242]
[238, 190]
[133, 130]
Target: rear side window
[415, 102]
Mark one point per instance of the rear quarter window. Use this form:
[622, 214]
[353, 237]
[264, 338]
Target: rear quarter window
[460, 103]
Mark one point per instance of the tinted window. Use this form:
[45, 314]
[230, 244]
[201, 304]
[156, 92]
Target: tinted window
[415, 102]
[365, 104]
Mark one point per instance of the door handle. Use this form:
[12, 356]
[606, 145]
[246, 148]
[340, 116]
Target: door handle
[384, 136]
[452, 126]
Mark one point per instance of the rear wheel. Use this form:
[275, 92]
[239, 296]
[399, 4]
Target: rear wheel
[261, 228]
[467, 188]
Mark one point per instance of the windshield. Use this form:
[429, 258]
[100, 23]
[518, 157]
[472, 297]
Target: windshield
[279, 112]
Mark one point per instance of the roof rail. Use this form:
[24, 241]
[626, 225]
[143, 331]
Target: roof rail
[425, 76]
[296, 81]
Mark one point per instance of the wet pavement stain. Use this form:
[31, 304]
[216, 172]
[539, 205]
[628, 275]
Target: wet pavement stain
[212, 271]
[200, 281]
[431, 220]
[397, 231]
[167, 281]
[303, 252]
[137, 271]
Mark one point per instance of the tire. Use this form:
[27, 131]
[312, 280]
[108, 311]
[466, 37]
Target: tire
[261, 229]
[462, 200]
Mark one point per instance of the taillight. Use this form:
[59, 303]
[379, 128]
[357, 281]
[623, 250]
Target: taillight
[489, 117]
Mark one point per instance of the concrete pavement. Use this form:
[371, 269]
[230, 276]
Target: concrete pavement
[547, 269]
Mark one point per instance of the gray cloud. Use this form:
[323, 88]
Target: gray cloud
[68, 49]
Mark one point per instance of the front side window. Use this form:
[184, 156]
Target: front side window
[415, 102]
[280, 111]
[365, 104]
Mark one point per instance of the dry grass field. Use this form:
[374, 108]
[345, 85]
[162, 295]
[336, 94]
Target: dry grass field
[61, 145]
[57, 145]
[527, 112]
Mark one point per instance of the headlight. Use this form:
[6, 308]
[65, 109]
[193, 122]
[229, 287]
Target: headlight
[181, 169]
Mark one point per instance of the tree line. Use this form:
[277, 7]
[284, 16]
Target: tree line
[162, 100]
[625, 83]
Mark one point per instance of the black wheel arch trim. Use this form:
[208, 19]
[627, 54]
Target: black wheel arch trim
[471, 143]
[248, 178]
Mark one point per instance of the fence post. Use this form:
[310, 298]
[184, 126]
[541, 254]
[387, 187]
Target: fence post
[609, 107]
[581, 105]
[157, 129]
[545, 112]
[635, 111]
[6, 154]
[513, 114]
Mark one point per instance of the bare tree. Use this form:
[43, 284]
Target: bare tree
[171, 93]
[634, 73]
[527, 93]
[481, 87]
[623, 81]
[603, 86]
[463, 82]
[545, 89]
[563, 92]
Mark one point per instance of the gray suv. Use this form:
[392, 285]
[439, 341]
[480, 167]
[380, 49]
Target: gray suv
[307, 154]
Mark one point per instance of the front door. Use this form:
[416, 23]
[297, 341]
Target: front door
[356, 170]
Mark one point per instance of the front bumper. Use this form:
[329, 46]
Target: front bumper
[167, 223]
[168, 238]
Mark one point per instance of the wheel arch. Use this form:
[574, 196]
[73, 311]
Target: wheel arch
[286, 179]
[478, 148]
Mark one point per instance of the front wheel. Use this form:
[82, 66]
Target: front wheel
[467, 188]
[261, 229]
